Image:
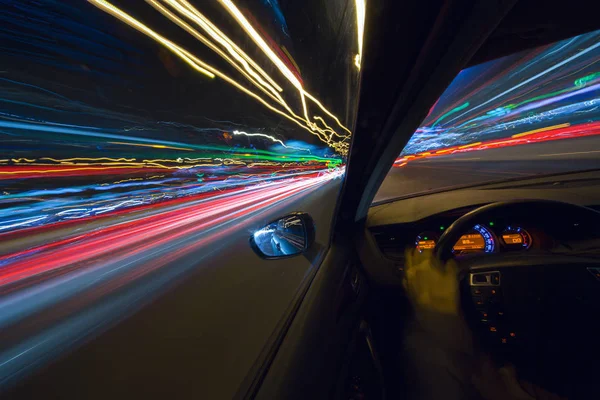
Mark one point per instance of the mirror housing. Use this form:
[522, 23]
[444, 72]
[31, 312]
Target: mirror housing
[284, 237]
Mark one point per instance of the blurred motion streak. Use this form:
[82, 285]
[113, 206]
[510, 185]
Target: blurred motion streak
[551, 93]
[247, 67]
[360, 28]
[62, 269]
[144, 142]
[558, 132]
[159, 227]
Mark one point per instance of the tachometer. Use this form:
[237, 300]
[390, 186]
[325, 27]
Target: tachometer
[516, 238]
[426, 241]
[480, 239]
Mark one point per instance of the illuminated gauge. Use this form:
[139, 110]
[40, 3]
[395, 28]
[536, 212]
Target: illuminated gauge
[480, 239]
[426, 241]
[516, 238]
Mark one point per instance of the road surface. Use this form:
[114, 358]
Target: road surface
[195, 305]
[174, 302]
[470, 168]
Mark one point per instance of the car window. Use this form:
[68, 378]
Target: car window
[142, 143]
[531, 113]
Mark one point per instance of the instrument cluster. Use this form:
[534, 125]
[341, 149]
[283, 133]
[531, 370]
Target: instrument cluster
[481, 239]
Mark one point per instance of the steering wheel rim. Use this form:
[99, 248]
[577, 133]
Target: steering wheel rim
[549, 300]
[443, 248]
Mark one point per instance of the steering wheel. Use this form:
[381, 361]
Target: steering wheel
[537, 310]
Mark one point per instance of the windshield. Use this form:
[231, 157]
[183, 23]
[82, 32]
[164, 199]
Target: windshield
[535, 112]
[142, 144]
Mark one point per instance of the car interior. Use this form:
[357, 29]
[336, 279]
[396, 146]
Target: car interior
[526, 249]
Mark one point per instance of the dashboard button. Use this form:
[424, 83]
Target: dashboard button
[495, 278]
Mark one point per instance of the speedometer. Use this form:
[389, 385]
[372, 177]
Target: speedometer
[516, 238]
[426, 241]
[480, 239]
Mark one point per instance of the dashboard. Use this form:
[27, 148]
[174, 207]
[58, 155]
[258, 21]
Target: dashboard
[501, 235]
[502, 287]
[418, 222]
[481, 239]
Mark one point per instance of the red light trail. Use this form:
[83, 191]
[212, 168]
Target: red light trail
[557, 132]
[141, 234]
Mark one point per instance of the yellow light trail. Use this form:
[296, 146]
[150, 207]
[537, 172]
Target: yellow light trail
[360, 27]
[195, 62]
[466, 146]
[193, 14]
[114, 11]
[154, 146]
[232, 44]
[199, 19]
[122, 181]
[75, 159]
[18, 160]
[248, 68]
[104, 162]
[249, 29]
[246, 62]
[548, 128]
[55, 170]
[445, 150]
[239, 17]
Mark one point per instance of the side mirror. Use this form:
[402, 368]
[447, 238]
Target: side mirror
[285, 237]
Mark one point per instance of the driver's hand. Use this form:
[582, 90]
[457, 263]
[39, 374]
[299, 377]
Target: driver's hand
[430, 284]
[432, 287]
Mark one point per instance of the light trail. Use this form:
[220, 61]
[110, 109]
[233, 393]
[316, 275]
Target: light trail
[360, 29]
[548, 128]
[247, 67]
[69, 277]
[184, 55]
[22, 209]
[115, 186]
[196, 63]
[531, 79]
[266, 49]
[551, 133]
[239, 17]
[127, 236]
[271, 138]
[516, 96]
[228, 43]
